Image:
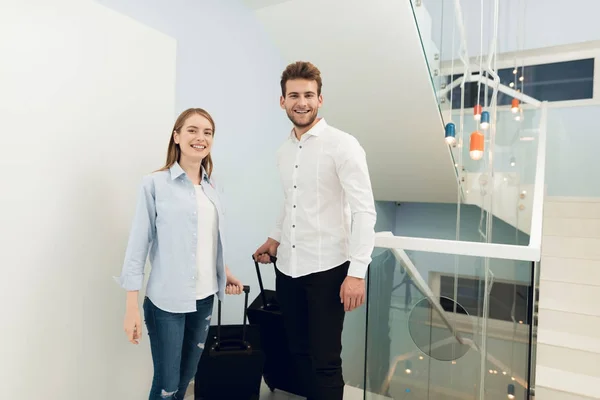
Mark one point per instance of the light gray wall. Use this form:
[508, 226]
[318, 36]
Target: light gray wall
[226, 65]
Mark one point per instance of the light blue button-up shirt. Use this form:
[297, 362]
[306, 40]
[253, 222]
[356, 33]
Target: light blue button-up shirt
[165, 227]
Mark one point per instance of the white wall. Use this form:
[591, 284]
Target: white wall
[227, 65]
[88, 99]
[85, 111]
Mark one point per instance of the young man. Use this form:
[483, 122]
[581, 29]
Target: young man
[324, 235]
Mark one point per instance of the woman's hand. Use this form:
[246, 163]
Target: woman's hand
[233, 285]
[133, 325]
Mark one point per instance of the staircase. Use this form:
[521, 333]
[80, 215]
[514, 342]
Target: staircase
[568, 350]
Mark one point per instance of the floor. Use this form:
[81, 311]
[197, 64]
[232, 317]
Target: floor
[265, 394]
[351, 393]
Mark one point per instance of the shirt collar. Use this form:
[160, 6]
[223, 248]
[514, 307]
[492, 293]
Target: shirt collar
[316, 130]
[177, 171]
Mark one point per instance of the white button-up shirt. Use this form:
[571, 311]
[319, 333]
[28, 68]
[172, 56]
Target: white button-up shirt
[328, 216]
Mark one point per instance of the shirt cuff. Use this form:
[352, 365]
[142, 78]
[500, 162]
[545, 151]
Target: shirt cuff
[130, 282]
[358, 269]
[276, 235]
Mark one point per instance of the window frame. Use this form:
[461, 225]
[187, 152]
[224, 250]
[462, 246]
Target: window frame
[548, 55]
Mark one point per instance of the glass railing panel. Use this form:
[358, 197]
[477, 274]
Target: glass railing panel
[429, 17]
[507, 192]
[353, 348]
[429, 335]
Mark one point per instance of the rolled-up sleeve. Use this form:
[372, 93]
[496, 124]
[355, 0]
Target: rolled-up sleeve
[141, 236]
[354, 177]
[276, 232]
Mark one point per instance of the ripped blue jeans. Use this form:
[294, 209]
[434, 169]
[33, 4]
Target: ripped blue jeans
[176, 343]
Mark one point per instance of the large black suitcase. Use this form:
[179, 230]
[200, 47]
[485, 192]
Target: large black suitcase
[278, 368]
[231, 365]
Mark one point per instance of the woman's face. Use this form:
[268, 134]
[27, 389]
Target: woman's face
[195, 138]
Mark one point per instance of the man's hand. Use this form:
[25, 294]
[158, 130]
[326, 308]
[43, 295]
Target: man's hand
[262, 254]
[352, 293]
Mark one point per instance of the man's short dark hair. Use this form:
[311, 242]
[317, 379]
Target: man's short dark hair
[301, 70]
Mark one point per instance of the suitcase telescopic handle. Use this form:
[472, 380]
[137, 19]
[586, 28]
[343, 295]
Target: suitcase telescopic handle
[246, 292]
[260, 281]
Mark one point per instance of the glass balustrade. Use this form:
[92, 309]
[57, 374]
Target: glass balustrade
[429, 19]
[436, 330]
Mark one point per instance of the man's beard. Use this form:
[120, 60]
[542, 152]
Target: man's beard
[311, 119]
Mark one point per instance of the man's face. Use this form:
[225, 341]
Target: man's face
[301, 102]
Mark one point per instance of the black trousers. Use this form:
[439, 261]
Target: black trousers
[314, 318]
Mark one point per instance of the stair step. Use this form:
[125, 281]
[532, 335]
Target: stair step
[542, 393]
[569, 340]
[569, 322]
[563, 358]
[563, 381]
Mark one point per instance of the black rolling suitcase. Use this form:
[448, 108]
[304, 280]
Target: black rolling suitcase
[278, 368]
[231, 365]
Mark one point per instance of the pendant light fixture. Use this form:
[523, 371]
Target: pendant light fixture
[477, 112]
[515, 106]
[485, 120]
[450, 134]
[408, 367]
[511, 391]
[476, 145]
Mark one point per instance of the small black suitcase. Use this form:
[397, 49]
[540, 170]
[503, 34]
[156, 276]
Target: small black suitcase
[278, 368]
[231, 365]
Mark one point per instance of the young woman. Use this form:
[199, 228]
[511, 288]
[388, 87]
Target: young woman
[179, 222]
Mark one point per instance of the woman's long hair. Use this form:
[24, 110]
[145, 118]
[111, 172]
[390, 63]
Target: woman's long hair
[174, 152]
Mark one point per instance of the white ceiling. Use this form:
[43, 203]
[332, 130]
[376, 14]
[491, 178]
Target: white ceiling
[376, 86]
[256, 4]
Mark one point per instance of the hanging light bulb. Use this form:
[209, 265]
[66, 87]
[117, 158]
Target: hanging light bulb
[477, 112]
[513, 161]
[511, 391]
[476, 146]
[515, 71]
[408, 367]
[450, 134]
[512, 84]
[485, 120]
[521, 78]
[515, 106]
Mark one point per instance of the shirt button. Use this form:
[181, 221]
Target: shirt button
[293, 246]
[300, 146]
[293, 226]
[295, 186]
[294, 206]
[296, 166]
